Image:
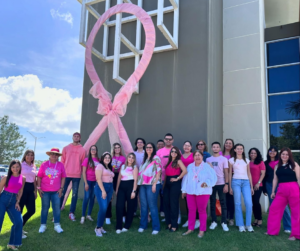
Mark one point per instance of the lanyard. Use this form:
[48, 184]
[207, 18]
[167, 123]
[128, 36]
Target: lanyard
[195, 175]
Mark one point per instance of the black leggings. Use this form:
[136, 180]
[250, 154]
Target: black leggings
[28, 200]
[256, 204]
[124, 195]
[230, 206]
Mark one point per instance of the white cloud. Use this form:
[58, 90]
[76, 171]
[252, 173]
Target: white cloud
[40, 109]
[67, 17]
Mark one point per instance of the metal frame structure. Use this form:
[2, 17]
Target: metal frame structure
[136, 52]
[279, 93]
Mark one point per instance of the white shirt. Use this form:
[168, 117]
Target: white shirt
[239, 168]
[196, 176]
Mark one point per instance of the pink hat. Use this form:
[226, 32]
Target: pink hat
[54, 150]
[77, 133]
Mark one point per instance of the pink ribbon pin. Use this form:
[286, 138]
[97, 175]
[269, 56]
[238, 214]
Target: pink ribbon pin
[112, 111]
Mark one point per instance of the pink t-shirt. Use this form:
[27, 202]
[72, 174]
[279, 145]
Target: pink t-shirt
[226, 156]
[90, 172]
[117, 162]
[219, 164]
[139, 158]
[273, 163]
[172, 171]
[188, 160]
[127, 173]
[29, 171]
[51, 174]
[240, 168]
[163, 154]
[107, 175]
[255, 172]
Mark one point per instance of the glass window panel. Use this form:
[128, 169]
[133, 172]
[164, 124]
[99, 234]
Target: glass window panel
[284, 107]
[284, 79]
[285, 135]
[296, 157]
[283, 52]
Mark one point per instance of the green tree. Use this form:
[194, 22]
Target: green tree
[12, 143]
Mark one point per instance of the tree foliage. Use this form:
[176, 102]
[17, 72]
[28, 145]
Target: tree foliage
[12, 143]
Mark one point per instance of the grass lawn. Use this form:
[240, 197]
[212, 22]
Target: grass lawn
[82, 237]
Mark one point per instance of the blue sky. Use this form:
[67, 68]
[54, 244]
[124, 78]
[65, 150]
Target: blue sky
[41, 69]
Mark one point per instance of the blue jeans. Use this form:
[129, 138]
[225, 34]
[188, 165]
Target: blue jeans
[286, 215]
[89, 196]
[75, 186]
[240, 187]
[148, 199]
[55, 201]
[103, 203]
[7, 204]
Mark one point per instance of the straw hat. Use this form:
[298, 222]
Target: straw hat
[54, 150]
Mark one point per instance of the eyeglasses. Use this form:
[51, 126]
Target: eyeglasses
[149, 147]
[168, 139]
[117, 147]
[272, 152]
[140, 142]
[173, 152]
[54, 154]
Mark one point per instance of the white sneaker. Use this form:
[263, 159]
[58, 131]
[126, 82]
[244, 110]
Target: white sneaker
[124, 229]
[163, 220]
[213, 225]
[72, 217]
[250, 229]
[186, 224]
[82, 220]
[179, 219]
[102, 230]
[141, 230]
[242, 229]
[42, 228]
[287, 231]
[155, 232]
[124, 219]
[162, 214]
[225, 228]
[119, 231]
[58, 229]
[98, 232]
[24, 236]
[107, 221]
[89, 218]
[197, 224]
[24, 232]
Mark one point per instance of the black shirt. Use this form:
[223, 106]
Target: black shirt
[286, 174]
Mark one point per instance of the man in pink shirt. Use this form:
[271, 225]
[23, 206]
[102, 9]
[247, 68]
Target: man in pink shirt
[72, 157]
[220, 165]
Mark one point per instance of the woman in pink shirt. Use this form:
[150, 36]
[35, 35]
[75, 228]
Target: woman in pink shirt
[126, 192]
[13, 185]
[50, 185]
[29, 192]
[103, 190]
[175, 170]
[258, 170]
[89, 177]
[118, 160]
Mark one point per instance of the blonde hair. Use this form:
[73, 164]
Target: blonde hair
[113, 149]
[134, 162]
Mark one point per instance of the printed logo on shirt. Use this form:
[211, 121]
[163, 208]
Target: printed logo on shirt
[214, 163]
[116, 164]
[51, 173]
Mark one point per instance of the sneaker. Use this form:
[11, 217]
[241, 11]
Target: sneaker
[155, 232]
[287, 231]
[179, 219]
[82, 220]
[107, 221]
[24, 236]
[42, 228]
[89, 218]
[213, 225]
[231, 222]
[250, 228]
[197, 224]
[186, 224]
[119, 231]
[163, 220]
[102, 230]
[225, 228]
[124, 229]
[162, 214]
[242, 229]
[98, 232]
[72, 217]
[140, 230]
[124, 219]
[58, 229]
[23, 232]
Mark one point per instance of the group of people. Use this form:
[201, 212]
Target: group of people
[153, 171]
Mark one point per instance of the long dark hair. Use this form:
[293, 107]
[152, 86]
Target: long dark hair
[258, 158]
[277, 154]
[175, 162]
[25, 154]
[9, 173]
[291, 161]
[231, 151]
[90, 158]
[102, 160]
[187, 141]
[234, 153]
[135, 143]
[152, 155]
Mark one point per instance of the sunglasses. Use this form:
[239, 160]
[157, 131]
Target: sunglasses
[201, 144]
[173, 152]
[149, 147]
[55, 154]
[168, 139]
[117, 147]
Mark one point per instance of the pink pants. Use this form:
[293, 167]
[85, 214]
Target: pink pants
[199, 202]
[287, 193]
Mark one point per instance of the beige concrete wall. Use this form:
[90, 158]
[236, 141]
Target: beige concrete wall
[244, 98]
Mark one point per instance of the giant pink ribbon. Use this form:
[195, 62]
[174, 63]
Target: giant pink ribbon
[113, 111]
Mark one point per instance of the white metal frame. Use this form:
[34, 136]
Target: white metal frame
[279, 93]
[136, 52]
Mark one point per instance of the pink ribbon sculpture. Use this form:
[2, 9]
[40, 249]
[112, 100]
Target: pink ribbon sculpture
[112, 111]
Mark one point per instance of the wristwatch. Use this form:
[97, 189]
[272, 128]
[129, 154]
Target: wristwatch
[259, 182]
[134, 191]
